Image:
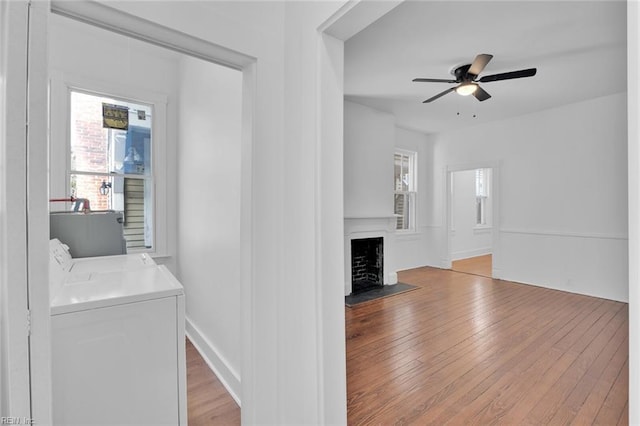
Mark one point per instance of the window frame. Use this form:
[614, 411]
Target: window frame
[483, 192]
[411, 194]
[60, 144]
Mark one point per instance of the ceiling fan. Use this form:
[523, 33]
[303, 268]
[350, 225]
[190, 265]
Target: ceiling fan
[467, 78]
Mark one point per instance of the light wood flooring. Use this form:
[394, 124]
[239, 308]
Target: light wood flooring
[208, 401]
[479, 265]
[465, 349]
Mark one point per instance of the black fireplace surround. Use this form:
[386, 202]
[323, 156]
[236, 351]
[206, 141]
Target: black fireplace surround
[366, 264]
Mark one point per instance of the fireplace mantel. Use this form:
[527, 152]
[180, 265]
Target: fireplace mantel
[357, 227]
[369, 223]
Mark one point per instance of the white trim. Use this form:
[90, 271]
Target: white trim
[329, 232]
[38, 214]
[564, 234]
[354, 16]
[366, 224]
[15, 386]
[247, 279]
[93, 13]
[229, 378]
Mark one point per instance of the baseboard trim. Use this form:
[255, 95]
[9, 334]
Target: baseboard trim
[216, 362]
[470, 253]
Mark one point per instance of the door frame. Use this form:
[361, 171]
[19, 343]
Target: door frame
[14, 355]
[26, 371]
[36, 256]
[495, 211]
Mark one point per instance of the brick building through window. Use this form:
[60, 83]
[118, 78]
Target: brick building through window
[111, 167]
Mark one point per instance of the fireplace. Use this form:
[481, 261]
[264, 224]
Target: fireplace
[377, 236]
[366, 264]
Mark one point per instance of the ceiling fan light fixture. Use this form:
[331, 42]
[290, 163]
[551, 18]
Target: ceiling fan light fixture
[466, 89]
[466, 78]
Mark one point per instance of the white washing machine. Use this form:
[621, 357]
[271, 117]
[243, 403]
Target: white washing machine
[60, 254]
[118, 344]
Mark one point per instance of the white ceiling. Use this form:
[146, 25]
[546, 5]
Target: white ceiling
[578, 47]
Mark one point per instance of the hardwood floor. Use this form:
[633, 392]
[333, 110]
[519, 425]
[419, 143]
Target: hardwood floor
[465, 349]
[479, 265]
[208, 401]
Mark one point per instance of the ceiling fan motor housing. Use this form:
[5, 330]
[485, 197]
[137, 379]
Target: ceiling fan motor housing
[461, 73]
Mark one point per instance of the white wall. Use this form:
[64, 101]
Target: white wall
[370, 139]
[208, 262]
[414, 250]
[369, 142]
[467, 239]
[563, 194]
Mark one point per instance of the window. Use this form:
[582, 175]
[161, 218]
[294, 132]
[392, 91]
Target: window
[483, 177]
[404, 206]
[110, 161]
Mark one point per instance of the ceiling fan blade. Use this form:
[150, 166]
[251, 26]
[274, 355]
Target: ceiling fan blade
[439, 95]
[433, 80]
[509, 75]
[479, 63]
[481, 94]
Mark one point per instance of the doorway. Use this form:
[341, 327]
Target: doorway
[471, 204]
[477, 265]
[200, 121]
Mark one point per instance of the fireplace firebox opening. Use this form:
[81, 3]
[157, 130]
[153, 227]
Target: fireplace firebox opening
[366, 264]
